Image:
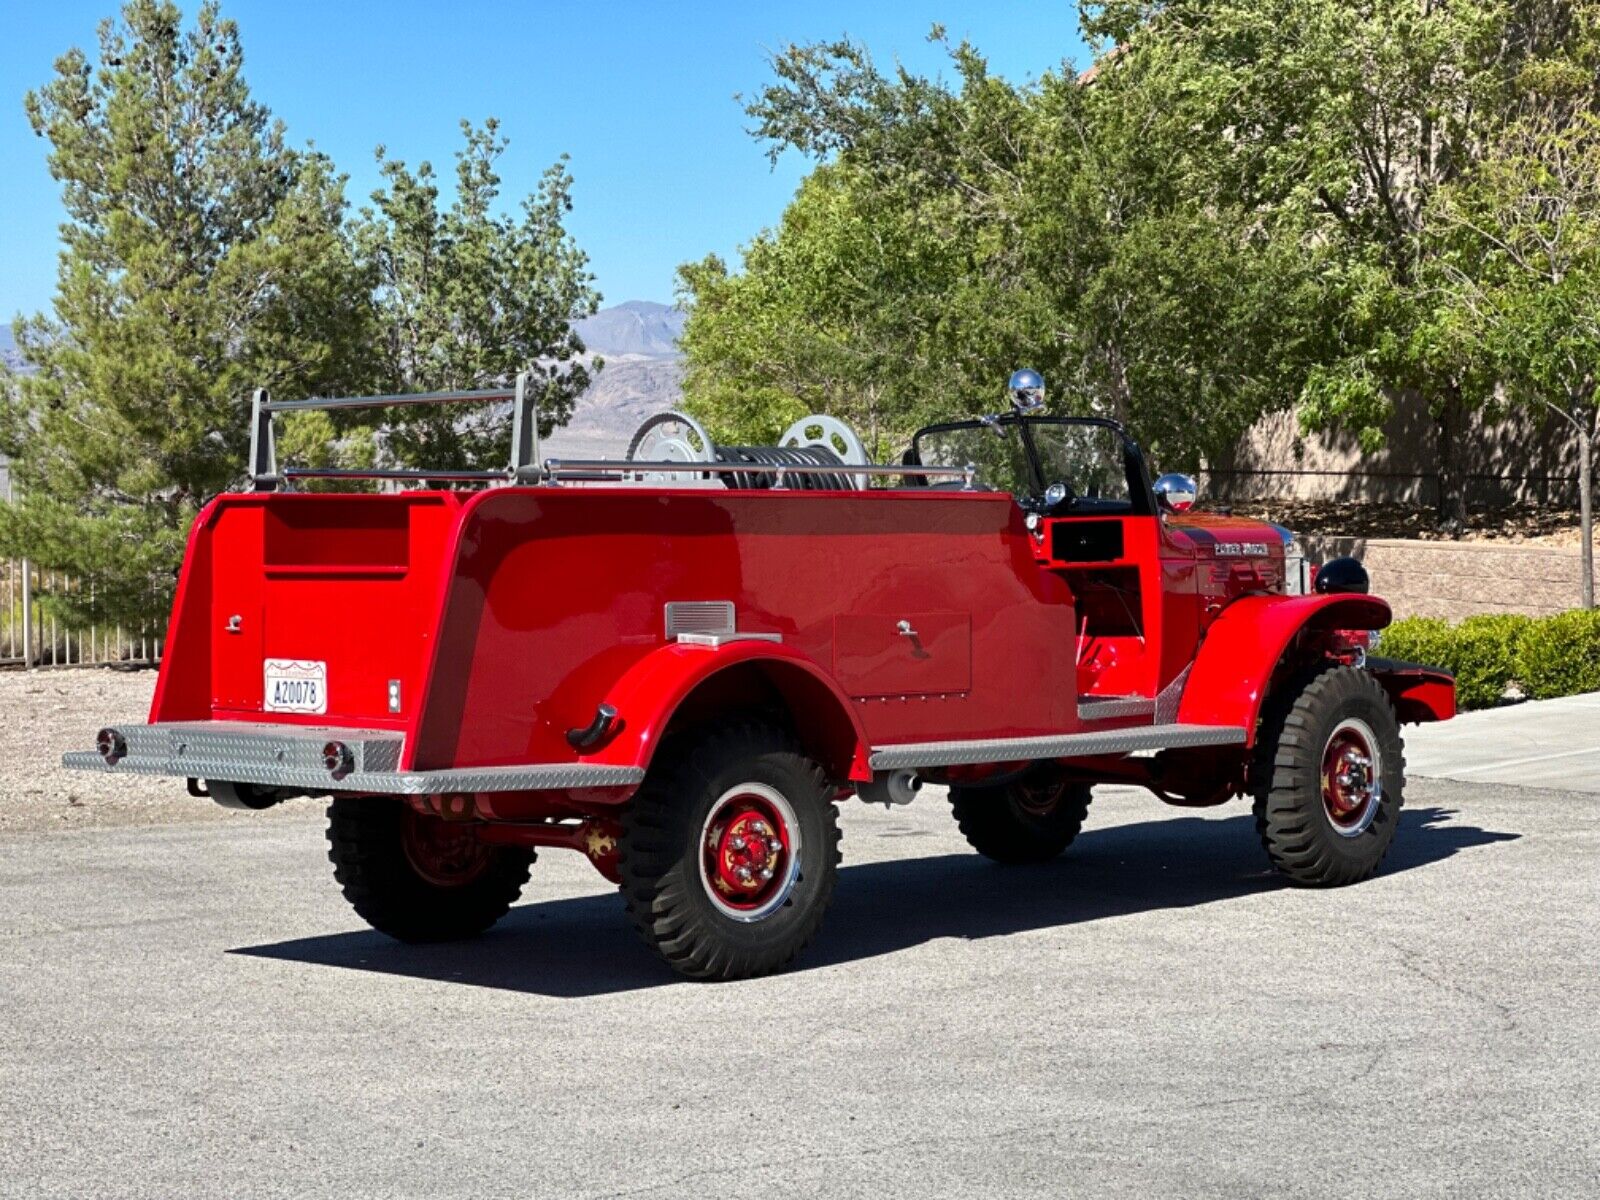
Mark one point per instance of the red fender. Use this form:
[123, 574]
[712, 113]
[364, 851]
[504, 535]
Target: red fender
[656, 687]
[1243, 647]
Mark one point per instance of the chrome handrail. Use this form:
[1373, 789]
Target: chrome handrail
[523, 467]
[291, 473]
[328, 402]
[557, 469]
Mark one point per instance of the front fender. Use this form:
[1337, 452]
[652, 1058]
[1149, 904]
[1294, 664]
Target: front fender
[652, 691]
[1244, 646]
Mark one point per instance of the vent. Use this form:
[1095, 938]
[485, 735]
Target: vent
[699, 616]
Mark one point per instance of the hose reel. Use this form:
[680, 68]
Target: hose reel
[817, 440]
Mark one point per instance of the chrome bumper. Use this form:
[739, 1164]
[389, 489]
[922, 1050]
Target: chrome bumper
[290, 756]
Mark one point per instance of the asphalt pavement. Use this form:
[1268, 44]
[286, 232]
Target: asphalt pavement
[192, 1011]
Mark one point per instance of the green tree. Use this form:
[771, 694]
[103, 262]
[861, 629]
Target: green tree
[952, 232]
[1524, 272]
[201, 257]
[1340, 124]
[468, 298]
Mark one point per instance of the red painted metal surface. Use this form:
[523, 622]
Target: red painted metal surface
[558, 595]
[486, 626]
[1246, 642]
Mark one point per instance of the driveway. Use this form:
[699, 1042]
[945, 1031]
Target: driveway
[193, 1011]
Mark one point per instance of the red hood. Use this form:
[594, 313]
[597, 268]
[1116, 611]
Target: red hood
[1205, 532]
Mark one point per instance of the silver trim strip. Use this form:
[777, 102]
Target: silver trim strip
[1063, 745]
[1106, 708]
[713, 640]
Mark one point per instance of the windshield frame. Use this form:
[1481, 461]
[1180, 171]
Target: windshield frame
[1141, 495]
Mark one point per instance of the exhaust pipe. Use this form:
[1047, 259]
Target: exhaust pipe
[891, 787]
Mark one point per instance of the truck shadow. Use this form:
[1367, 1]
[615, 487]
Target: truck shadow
[584, 947]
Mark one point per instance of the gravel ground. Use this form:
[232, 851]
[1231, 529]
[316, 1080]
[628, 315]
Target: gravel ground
[51, 712]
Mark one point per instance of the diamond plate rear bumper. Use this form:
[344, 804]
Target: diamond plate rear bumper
[290, 756]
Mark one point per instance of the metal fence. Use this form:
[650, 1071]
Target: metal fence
[33, 635]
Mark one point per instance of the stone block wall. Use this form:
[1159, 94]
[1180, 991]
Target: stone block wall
[1461, 579]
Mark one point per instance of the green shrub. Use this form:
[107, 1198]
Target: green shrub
[1483, 653]
[1425, 640]
[1560, 655]
[1484, 656]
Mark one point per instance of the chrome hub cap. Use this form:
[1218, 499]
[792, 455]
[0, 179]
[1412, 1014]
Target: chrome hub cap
[1352, 777]
[750, 852]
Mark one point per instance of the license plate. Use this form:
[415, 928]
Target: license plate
[296, 685]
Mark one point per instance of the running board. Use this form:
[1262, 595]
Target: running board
[1063, 745]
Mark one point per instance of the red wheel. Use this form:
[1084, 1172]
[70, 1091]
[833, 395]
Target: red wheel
[1328, 776]
[750, 851]
[444, 853]
[1352, 777]
[419, 878]
[729, 851]
[1029, 820]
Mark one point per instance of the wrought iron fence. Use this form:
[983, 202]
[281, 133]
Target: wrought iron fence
[32, 634]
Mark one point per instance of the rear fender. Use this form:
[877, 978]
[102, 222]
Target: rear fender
[1419, 693]
[690, 681]
[1245, 647]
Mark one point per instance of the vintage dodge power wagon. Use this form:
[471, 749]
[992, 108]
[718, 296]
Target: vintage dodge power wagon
[678, 662]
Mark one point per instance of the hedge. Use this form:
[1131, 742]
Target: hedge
[1543, 656]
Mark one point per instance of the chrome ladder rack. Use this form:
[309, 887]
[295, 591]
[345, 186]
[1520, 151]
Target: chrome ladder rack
[524, 467]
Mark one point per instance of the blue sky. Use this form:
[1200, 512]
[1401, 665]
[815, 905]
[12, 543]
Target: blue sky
[641, 95]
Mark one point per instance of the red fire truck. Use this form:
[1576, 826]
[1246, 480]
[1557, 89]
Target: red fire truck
[678, 664]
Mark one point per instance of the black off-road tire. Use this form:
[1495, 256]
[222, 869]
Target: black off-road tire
[367, 846]
[1031, 820]
[665, 830]
[1296, 825]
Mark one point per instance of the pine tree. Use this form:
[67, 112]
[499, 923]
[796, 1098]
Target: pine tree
[201, 257]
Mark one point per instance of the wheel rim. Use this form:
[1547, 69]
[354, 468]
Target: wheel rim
[1352, 777]
[442, 853]
[1040, 797]
[750, 852]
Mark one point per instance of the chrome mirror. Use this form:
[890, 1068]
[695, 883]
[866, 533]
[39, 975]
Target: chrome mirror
[1176, 493]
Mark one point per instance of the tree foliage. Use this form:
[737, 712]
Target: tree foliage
[955, 231]
[201, 257]
[1523, 273]
[1241, 208]
[467, 298]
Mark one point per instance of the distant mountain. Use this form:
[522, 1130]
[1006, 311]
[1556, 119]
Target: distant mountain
[633, 327]
[643, 374]
[8, 350]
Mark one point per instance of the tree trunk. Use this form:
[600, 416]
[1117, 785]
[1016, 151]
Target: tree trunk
[1586, 513]
[1450, 429]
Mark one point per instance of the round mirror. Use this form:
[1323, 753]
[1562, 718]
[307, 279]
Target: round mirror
[1176, 493]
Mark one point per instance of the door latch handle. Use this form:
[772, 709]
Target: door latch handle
[235, 622]
[903, 628]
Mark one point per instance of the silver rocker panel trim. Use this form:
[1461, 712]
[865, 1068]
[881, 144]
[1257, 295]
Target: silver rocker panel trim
[1063, 745]
[290, 756]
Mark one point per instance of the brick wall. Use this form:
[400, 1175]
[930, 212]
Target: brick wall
[1460, 579]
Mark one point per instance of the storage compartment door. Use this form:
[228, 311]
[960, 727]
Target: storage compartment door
[903, 654]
